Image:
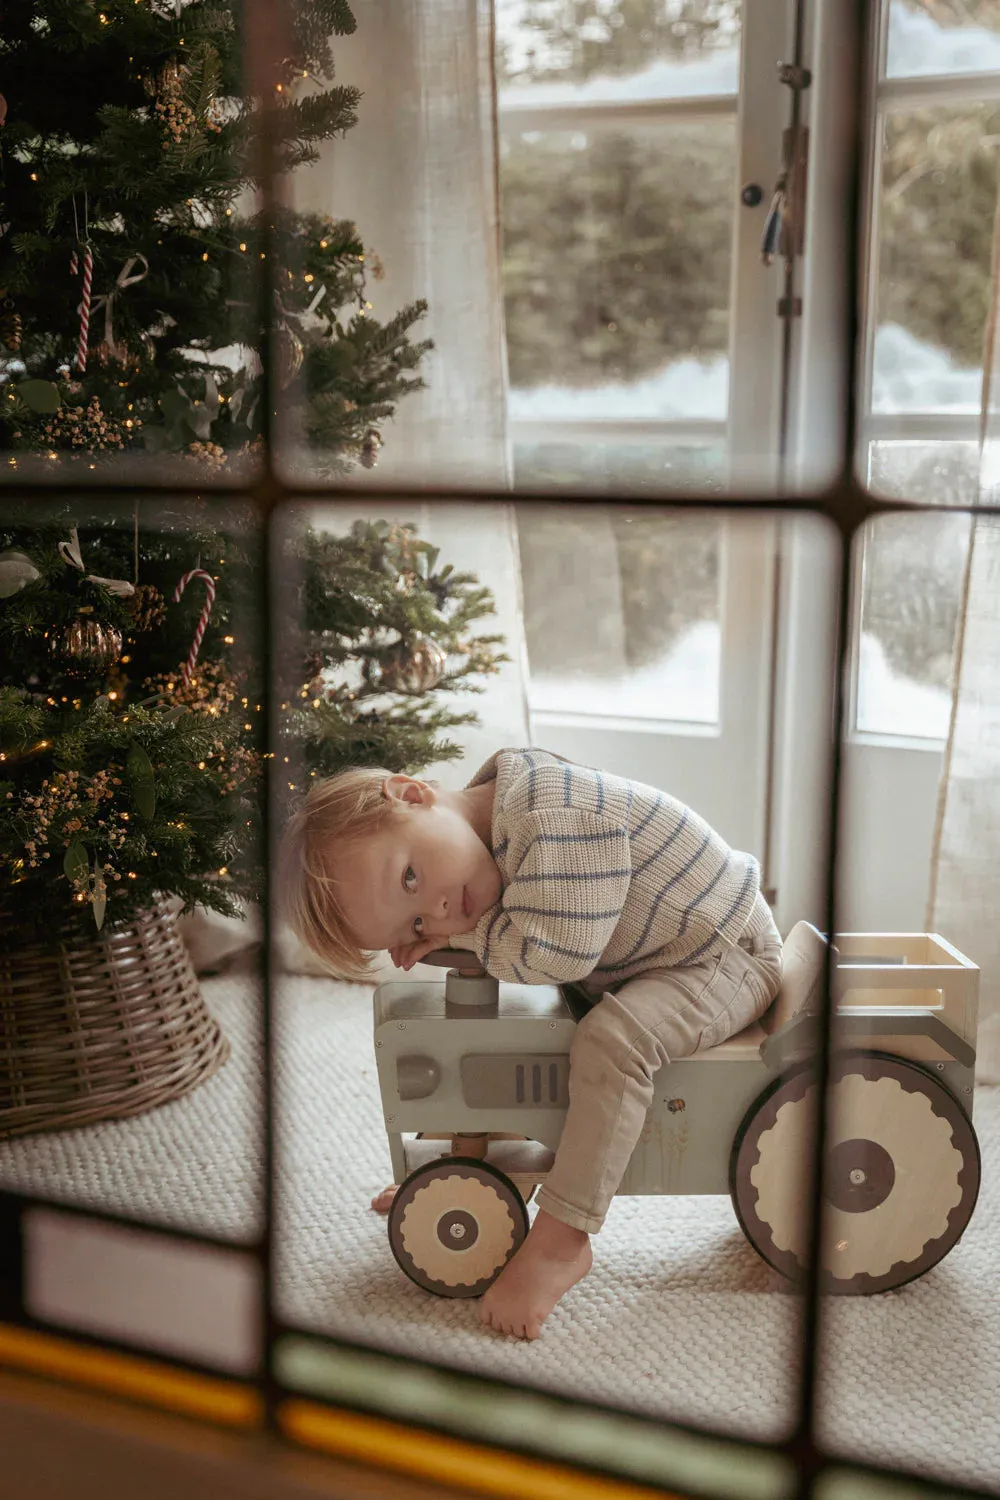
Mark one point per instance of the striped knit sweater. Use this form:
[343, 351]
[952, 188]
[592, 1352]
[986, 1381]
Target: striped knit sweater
[602, 877]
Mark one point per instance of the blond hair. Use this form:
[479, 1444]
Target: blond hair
[338, 812]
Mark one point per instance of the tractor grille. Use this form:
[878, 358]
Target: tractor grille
[490, 1081]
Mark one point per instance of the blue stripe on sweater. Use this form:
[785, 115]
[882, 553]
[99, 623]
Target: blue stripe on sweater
[751, 875]
[584, 958]
[574, 838]
[660, 898]
[634, 833]
[567, 787]
[701, 896]
[664, 846]
[571, 916]
[548, 875]
[600, 792]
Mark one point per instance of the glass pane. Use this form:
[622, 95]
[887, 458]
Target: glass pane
[912, 571]
[602, 234]
[621, 612]
[939, 187]
[647, 466]
[130, 737]
[942, 36]
[131, 249]
[617, 49]
[928, 473]
[671, 1255]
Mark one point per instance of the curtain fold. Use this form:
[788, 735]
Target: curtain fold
[964, 903]
[418, 174]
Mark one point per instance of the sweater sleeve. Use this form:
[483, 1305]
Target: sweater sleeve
[559, 910]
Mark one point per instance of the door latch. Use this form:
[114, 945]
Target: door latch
[784, 227]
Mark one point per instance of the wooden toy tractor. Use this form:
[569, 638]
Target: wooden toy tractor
[474, 1080]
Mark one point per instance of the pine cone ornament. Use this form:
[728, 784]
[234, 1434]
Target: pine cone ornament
[11, 327]
[149, 607]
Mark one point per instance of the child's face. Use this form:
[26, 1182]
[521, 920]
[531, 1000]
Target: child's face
[426, 873]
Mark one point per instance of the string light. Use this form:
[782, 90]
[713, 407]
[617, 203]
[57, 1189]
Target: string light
[205, 256]
[308, 277]
[323, 244]
[229, 639]
[242, 246]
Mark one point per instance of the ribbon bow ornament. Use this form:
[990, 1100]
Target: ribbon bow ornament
[70, 553]
[124, 279]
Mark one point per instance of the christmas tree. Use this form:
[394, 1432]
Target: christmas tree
[130, 694]
[130, 758]
[130, 267]
[381, 634]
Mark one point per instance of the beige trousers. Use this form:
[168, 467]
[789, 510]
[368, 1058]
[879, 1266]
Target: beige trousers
[630, 1033]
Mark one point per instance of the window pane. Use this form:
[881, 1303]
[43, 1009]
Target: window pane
[912, 581]
[939, 186]
[928, 473]
[602, 235]
[562, 50]
[621, 612]
[942, 36]
[648, 466]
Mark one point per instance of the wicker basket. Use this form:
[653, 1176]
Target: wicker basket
[97, 1028]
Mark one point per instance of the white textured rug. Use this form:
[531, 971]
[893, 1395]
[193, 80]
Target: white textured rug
[679, 1317]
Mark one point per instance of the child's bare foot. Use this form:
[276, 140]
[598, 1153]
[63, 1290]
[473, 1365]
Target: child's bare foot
[382, 1202]
[553, 1258]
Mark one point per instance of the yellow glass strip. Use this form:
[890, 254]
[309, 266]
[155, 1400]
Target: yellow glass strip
[447, 1460]
[234, 1405]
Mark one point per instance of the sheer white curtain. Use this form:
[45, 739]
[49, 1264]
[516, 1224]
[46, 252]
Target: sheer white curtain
[418, 176]
[964, 902]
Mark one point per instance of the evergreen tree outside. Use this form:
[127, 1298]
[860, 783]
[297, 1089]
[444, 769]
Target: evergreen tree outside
[568, 295]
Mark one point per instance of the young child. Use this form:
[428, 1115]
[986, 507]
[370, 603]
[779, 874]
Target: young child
[552, 873]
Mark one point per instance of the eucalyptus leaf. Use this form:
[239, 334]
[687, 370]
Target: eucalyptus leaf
[40, 395]
[142, 782]
[76, 866]
[156, 439]
[201, 419]
[175, 403]
[16, 570]
[100, 893]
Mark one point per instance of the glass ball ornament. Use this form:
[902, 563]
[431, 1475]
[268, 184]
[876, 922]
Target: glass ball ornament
[88, 643]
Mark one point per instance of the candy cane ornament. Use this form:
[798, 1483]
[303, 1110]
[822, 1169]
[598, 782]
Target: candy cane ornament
[88, 277]
[199, 633]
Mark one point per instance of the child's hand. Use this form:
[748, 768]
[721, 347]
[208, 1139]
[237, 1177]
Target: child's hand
[405, 955]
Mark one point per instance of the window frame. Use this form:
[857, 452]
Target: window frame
[884, 96]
